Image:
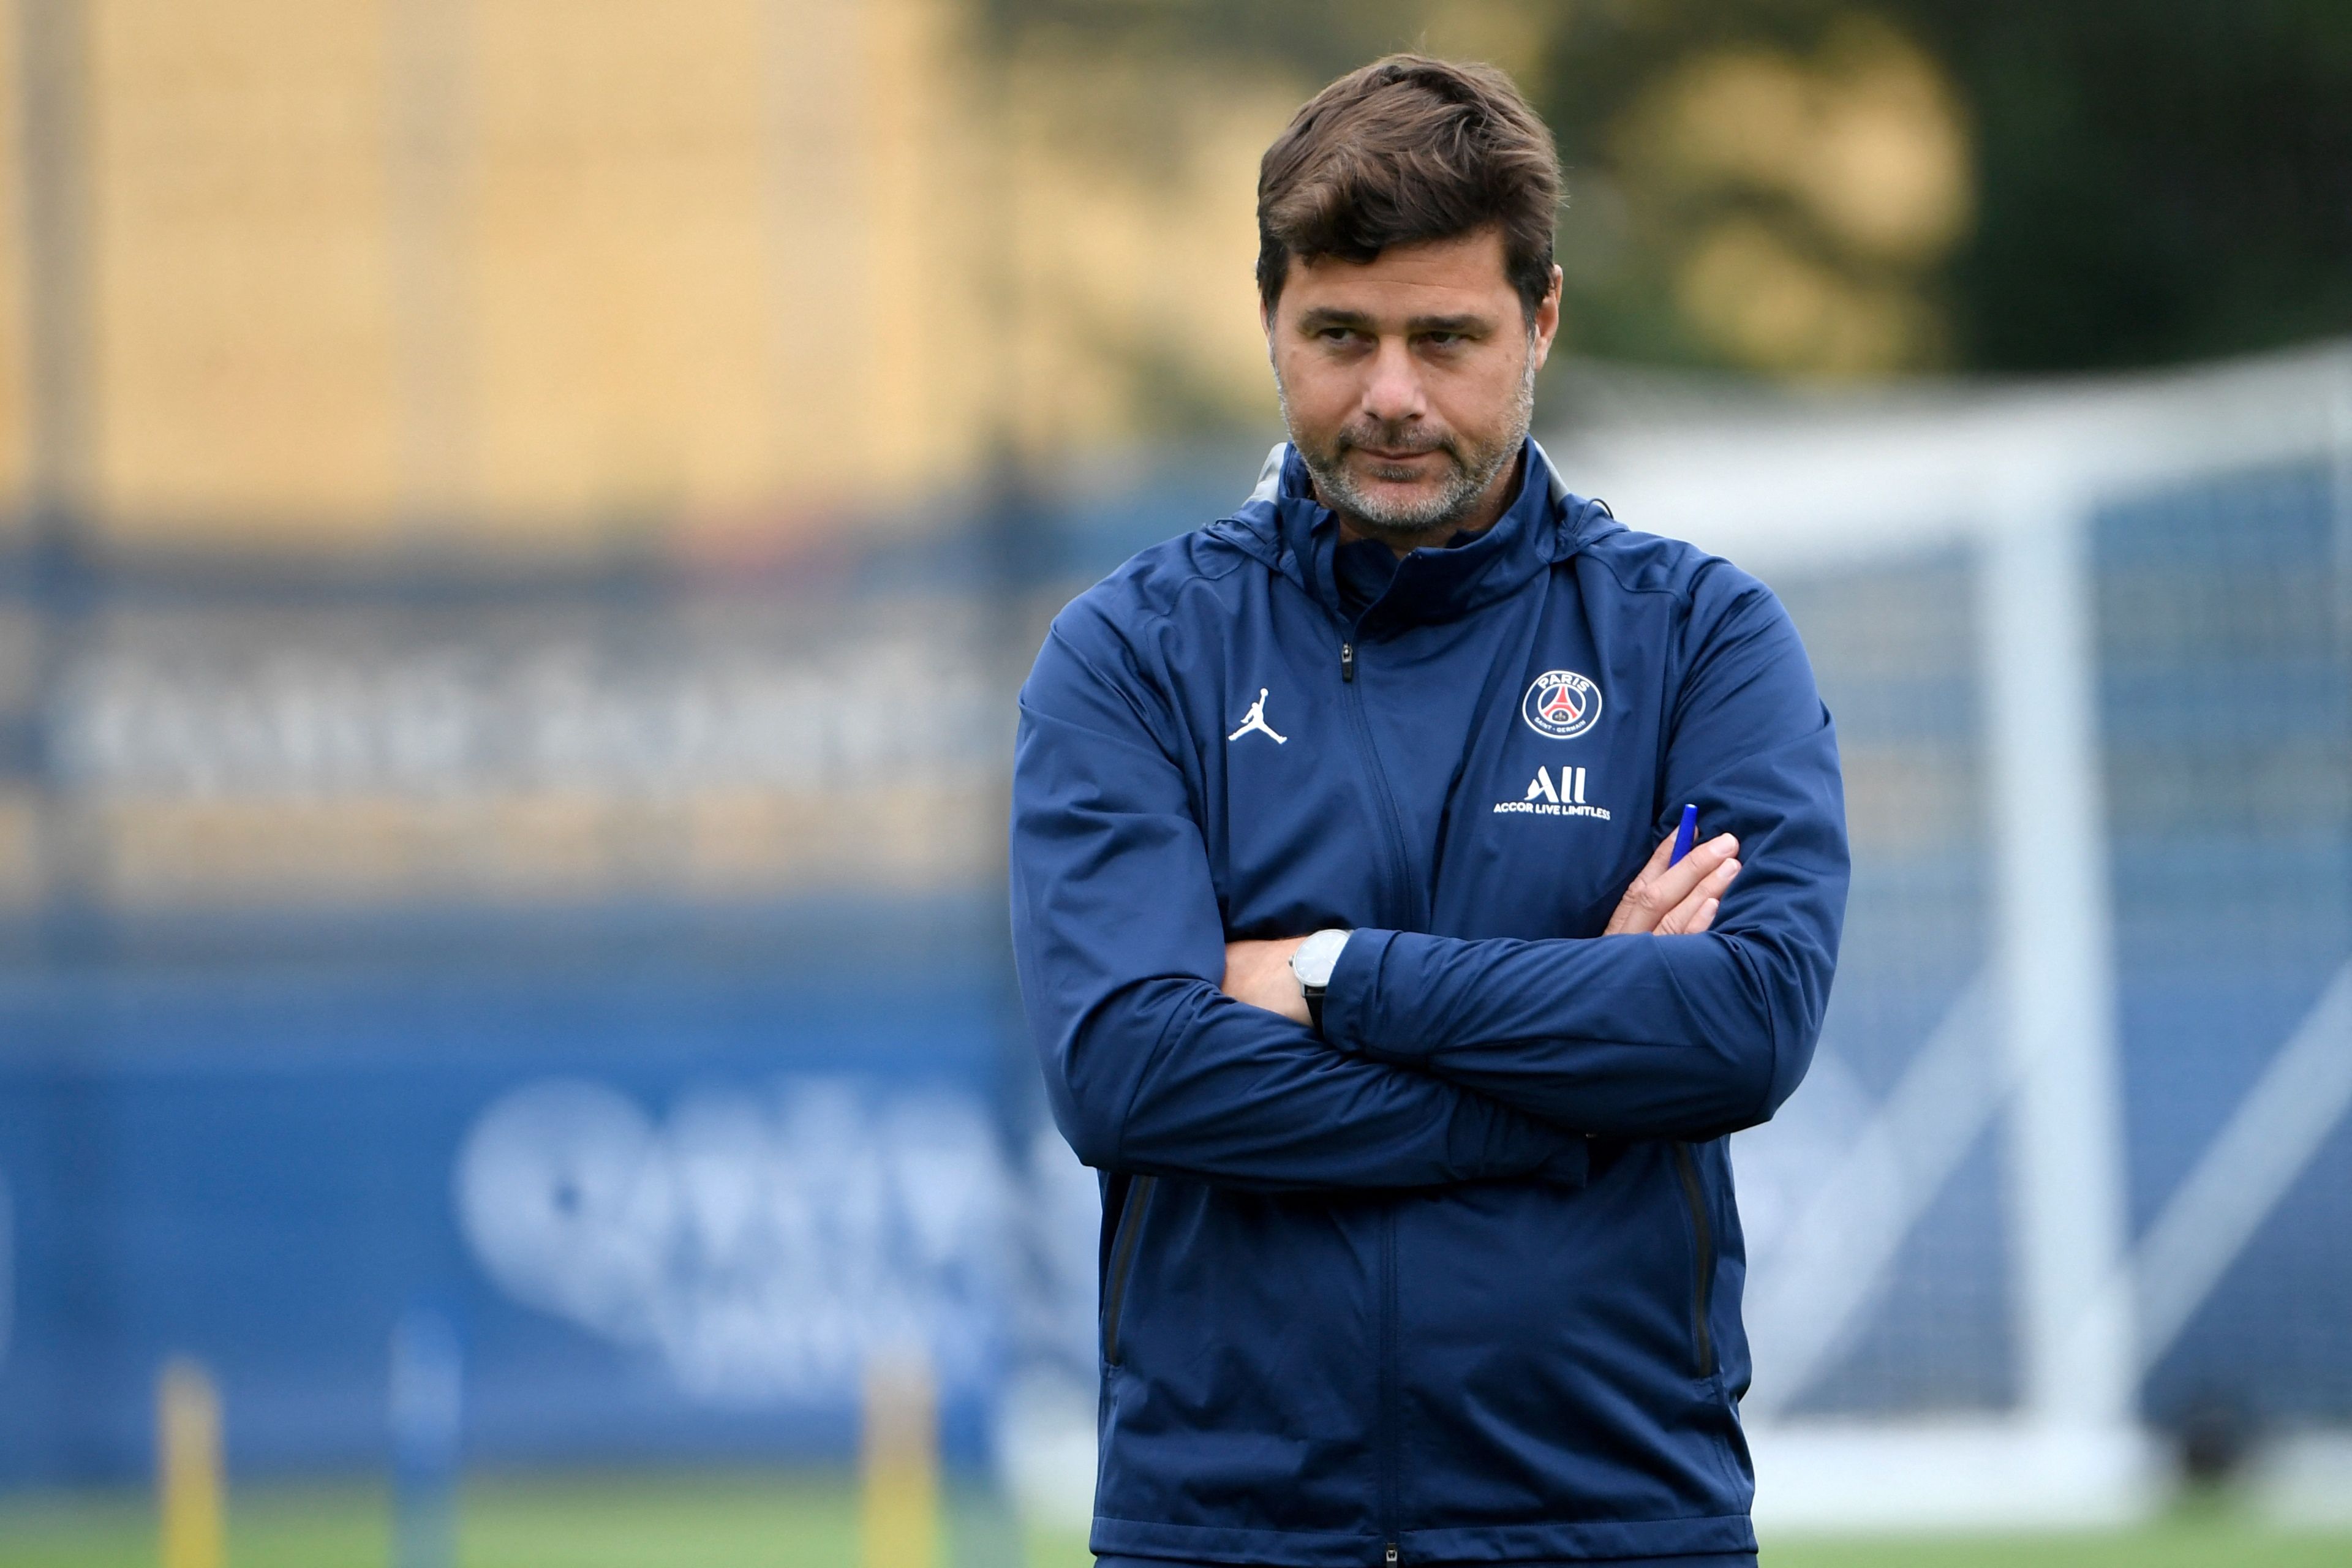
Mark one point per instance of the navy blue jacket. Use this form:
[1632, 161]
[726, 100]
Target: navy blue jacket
[1456, 1279]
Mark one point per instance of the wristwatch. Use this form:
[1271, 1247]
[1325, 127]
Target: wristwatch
[1313, 961]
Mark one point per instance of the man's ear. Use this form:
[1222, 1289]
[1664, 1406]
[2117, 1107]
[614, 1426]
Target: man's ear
[1546, 322]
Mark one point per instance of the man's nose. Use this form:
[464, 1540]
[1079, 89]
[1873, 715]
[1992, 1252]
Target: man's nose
[1393, 394]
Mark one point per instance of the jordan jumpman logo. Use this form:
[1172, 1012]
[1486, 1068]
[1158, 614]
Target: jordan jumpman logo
[1256, 720]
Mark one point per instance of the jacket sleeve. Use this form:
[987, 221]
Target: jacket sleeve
[1643, 1036]
[1119, 936]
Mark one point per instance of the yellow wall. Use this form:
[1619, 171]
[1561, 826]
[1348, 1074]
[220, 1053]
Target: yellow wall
[621, 297]
[522, 273]
[243, 340]
[15, 477]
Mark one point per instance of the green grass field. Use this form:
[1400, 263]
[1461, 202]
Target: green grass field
[759, 1521]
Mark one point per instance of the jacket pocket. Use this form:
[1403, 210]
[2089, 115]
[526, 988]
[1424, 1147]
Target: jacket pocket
[1702, 1261]
[1122, 1262]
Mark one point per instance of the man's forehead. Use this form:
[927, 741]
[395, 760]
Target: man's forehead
[1463, 275]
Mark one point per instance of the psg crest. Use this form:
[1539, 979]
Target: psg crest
[1561, 704]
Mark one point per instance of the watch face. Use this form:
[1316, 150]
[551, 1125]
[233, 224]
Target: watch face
[1316, 957]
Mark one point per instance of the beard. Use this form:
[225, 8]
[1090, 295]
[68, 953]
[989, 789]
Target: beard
[1472, 466]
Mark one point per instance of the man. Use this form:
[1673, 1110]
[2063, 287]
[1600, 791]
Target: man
[1350, 939]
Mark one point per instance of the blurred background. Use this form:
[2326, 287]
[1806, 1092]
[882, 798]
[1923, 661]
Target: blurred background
[519, 525]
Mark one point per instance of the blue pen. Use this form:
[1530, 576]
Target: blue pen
[1686, 834]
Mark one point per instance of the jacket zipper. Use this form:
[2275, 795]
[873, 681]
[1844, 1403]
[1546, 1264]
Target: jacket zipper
[1400, 858]
[1389, 1420]
[1703, 1272]
[1388, 1396]
[1122, 1262]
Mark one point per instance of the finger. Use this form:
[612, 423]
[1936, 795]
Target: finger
[1691, 919]
[1683, 919]
[1676, 882]
[1635, 914]
[1660, 889]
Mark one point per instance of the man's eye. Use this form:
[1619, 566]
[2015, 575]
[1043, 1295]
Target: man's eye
[1336, 334]
[1441, 340]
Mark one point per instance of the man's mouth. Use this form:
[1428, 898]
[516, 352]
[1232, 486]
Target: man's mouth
[1375, 454]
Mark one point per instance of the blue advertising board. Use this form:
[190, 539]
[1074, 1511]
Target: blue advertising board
[672, 1210]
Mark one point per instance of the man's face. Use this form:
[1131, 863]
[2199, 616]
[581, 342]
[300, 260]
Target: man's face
[1407, 382]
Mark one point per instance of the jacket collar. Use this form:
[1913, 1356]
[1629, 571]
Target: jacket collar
[1285, 526]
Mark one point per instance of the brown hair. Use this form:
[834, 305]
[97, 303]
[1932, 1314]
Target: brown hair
[1405, 150]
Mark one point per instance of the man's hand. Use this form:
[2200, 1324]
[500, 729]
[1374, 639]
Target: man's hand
[1669, 900]
[1258, 973]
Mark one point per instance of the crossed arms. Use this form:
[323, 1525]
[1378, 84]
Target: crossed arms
[1680, 900]
[1441, 1059]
